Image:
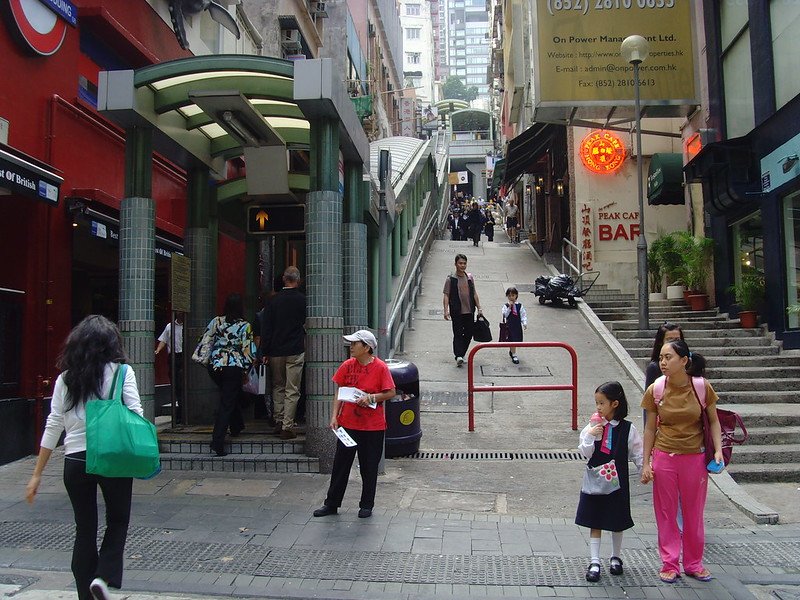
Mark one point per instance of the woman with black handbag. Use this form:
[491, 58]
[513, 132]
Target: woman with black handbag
[91, 357]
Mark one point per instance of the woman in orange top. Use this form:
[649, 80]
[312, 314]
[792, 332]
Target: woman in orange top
[366, 425]
[674, 435]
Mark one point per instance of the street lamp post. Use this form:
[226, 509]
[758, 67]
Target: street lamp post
[634, 50]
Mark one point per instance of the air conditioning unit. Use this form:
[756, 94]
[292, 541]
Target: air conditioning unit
[318, 8]
[291, 41]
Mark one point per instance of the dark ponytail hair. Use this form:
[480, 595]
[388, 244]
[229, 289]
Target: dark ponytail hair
[659, 341]
[90, 346]
[234, 308]
[696, 367]
[613, 391]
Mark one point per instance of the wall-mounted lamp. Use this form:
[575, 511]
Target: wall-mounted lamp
[559, 187]
[75, 207]
[788, 162]
[528, 191]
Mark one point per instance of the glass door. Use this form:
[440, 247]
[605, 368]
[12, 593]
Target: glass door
[791, 235]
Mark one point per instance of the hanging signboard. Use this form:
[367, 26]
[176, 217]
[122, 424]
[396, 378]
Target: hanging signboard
[579, 67]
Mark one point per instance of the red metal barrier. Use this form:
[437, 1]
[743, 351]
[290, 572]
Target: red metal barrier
[521, 388]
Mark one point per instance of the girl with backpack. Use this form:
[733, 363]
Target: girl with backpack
[675, 460]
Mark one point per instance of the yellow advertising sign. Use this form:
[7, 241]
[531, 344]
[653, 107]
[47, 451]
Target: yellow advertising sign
[578, 60]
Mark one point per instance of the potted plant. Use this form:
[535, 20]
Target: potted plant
[672, 264]
[654, 272]
[697, 253]
[749, 293]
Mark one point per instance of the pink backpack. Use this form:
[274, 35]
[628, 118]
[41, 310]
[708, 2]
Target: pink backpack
[728, 420]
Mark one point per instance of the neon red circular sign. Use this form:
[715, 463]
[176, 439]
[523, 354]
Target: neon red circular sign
[40, 27]
[602, 152]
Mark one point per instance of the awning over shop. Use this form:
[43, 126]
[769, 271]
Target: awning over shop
[24, 175]
[497, 176]
[525, 149]
[729, 172]
[665, 179]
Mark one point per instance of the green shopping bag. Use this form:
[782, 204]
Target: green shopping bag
[119, 443]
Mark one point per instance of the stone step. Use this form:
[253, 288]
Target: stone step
[658, 315]
[768, 436]
[759, 455]
[782, 360]
[711, 353]
[759, 384]
[757, 473]
[777, 414]
[235, 446]
[696, 334]
[241, 463]
[717, 322]
[703, 342]
[634, 303]
[757, 397]
[747, 371]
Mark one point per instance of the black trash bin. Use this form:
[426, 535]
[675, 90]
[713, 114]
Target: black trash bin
[403, 428]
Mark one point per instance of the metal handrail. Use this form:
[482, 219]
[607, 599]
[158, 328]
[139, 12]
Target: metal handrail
[565, 259]
[405, 299]
[471, 388]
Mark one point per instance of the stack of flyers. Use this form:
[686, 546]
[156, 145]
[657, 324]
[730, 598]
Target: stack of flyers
[344, 437]
[352, 394]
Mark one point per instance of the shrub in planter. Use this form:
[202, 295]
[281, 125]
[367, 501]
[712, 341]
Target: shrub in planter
[698, 253]
[749, 293]
[670, 259]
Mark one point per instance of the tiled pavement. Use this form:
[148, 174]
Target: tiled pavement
[442, 529]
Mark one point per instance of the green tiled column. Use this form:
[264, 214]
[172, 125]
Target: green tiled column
[354, 247]
[137, 264]
[200, 244]
[325, 349]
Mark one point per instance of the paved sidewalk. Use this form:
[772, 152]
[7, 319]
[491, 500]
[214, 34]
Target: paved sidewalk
[486, 514]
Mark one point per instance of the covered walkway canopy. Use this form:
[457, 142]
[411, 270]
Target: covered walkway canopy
[209, 109]
[524, 150]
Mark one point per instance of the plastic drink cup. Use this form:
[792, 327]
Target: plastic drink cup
[595, 419]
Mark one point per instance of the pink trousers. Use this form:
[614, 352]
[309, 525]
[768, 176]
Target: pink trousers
[684, 477]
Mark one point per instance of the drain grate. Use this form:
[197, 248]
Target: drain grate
[487, 455]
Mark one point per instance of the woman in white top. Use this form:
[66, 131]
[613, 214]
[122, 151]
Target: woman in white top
[92, 354]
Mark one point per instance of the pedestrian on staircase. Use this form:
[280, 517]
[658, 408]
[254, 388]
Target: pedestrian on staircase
[459, 303]
[667, 332]
[675, 460]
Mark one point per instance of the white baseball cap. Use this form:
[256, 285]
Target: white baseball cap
[362, 335]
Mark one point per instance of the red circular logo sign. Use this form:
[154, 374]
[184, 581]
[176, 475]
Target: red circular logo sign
[602, 152]
[39, 26]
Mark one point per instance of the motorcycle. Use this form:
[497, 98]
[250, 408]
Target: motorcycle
[561, 288]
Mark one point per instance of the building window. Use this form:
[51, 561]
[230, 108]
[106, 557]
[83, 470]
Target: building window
[413, 57]
[737, 69]
[785, 25]
[413, 10]
[791, 229]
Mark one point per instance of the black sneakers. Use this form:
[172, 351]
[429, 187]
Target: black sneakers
[325, 511]
[99, 589]
[364, 513]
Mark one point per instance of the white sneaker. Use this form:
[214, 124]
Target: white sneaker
[99, 589]
[459, 361]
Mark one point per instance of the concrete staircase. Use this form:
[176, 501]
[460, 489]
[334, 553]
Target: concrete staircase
[747, 367]
[187, 449]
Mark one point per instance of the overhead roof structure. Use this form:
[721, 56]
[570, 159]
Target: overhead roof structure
[404, 152]
[172, 97]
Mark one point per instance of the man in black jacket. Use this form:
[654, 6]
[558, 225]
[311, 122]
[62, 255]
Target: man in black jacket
[283, 347]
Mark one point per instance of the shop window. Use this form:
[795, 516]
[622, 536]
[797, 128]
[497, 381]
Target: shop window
[791, 235]
[748, 242]
[737, 69]
[785, 27]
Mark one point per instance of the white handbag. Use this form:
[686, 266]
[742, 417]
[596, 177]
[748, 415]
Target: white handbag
[601, 480]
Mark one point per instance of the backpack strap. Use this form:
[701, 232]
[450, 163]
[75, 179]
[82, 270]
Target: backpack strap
[658, 389]
[699, 384]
